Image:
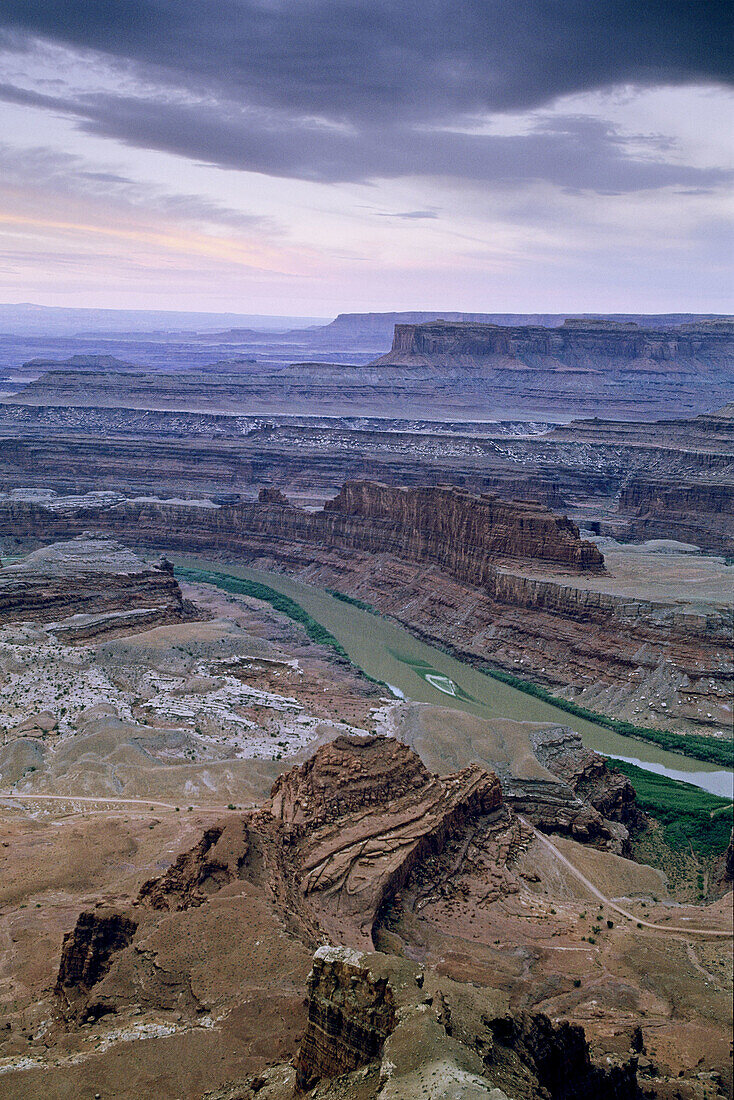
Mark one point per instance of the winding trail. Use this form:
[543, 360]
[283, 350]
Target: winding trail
[150, 802]
[612, 905]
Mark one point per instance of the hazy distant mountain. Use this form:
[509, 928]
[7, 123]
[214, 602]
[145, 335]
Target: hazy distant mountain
[25, 318]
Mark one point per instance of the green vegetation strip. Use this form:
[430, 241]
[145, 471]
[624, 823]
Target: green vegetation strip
[241, 587]
[687, 744]
[353, 601]
[691, 818]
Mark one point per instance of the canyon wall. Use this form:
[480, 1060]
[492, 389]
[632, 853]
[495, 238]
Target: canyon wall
[461, 531]
[432, 559]
[698, 512]
[580, 466]
[457, 530]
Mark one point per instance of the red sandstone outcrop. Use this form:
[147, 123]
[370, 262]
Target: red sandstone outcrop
[200, 872]
[350, 1014]
[340, 836]
[366, 813]
[464, 532]
[589, 774]
[457, 530]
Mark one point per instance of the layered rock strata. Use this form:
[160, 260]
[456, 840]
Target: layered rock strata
[88, 586]
[461, 532]
[350, 1014]
[428, 1036]
[444, 369]
[545, 772]
[582, 466]
[366, 812]
[375, 1025]
[699, 512]
[434, 559]
[577, 345]
[610, 792]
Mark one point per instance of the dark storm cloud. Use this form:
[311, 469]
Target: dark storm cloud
[418, 59]
[354, 90]
[571, 152]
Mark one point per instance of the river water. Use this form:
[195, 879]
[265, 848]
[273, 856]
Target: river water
[418, 671]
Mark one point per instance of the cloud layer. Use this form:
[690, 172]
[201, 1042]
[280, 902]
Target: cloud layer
[352, 90]
[468, 154]
[421, 59]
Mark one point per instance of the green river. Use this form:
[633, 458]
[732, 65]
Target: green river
[418, 671]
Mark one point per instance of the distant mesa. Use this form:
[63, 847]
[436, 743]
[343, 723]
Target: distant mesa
[371, 327]
[81, 362]
[579, 345]
[621, 368]
[372, 330]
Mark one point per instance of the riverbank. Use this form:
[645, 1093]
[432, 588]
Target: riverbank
[391, 654]
[693, 745]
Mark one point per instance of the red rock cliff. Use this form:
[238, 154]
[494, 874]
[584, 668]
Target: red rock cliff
[454, 529]
[460, 531]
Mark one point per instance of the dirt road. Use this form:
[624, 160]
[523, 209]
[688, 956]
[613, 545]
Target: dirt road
[613, 905]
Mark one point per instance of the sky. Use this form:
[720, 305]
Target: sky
[310, 157]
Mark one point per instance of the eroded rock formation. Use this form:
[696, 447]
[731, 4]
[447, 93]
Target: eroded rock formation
[368, 820]
[90, 585]
[442, 369]
[429, 1036]
[365, 812]
[496, 580]
[200, 872]
[350, 1014]
[590, 777]
[87, 952]
[463, 533]
[577, 345]
[700, 512]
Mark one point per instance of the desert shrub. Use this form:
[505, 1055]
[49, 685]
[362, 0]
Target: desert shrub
[689, 816]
